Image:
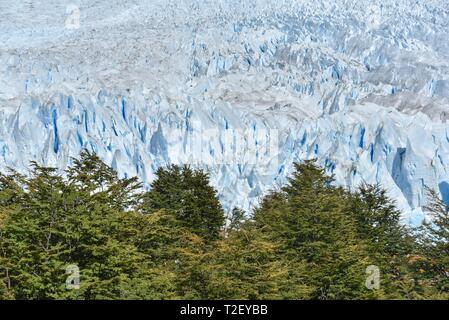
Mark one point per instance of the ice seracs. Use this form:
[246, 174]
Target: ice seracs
[363, 86]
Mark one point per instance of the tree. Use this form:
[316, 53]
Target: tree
[89, 174]
[192, 266]
[87, 221]
[435, 243]
[389, 243]
[308, 240]
[237, 219]
[247, 265]
[6, 200]
[188, 195]
[30, 230]
[313, 222]
[157, 237]
[378, 220]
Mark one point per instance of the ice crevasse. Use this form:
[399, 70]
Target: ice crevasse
[241, 89]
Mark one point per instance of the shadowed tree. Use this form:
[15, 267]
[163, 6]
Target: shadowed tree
[313, 223]
[189, 196]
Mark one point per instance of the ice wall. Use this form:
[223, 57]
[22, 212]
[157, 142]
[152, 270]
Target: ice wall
[239, 88]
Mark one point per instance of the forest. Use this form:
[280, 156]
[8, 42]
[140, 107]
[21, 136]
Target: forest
[87, 234]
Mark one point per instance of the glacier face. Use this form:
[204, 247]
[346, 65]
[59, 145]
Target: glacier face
[240, 88]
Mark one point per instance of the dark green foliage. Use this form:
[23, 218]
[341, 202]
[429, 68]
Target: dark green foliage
[434, 259]
[247, 265]
[54, 223]
[378, 220]
[236, 219]
[309, 240]
[312, 220]
[389, 243]
[188, 195]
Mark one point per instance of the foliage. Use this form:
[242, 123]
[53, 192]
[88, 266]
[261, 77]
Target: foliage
[188, 194]
[308, 240]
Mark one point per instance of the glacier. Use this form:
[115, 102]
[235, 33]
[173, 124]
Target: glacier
[241, 89]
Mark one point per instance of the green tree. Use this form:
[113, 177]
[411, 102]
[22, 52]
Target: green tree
[157, 237]
[308, 240]
[246, 265]
[236, 220]
[5, 279]
[192, 266]
[187, 193]
[434, 238]
[389, 242]
[313, 222]
[89, 174]
[378, 221]
[85, 221]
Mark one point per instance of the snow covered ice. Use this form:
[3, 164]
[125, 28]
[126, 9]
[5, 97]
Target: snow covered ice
[240, 88]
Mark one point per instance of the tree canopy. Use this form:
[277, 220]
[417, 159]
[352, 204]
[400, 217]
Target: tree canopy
[86, 233]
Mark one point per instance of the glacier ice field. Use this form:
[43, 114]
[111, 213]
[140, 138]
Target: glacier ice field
[241, 89]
